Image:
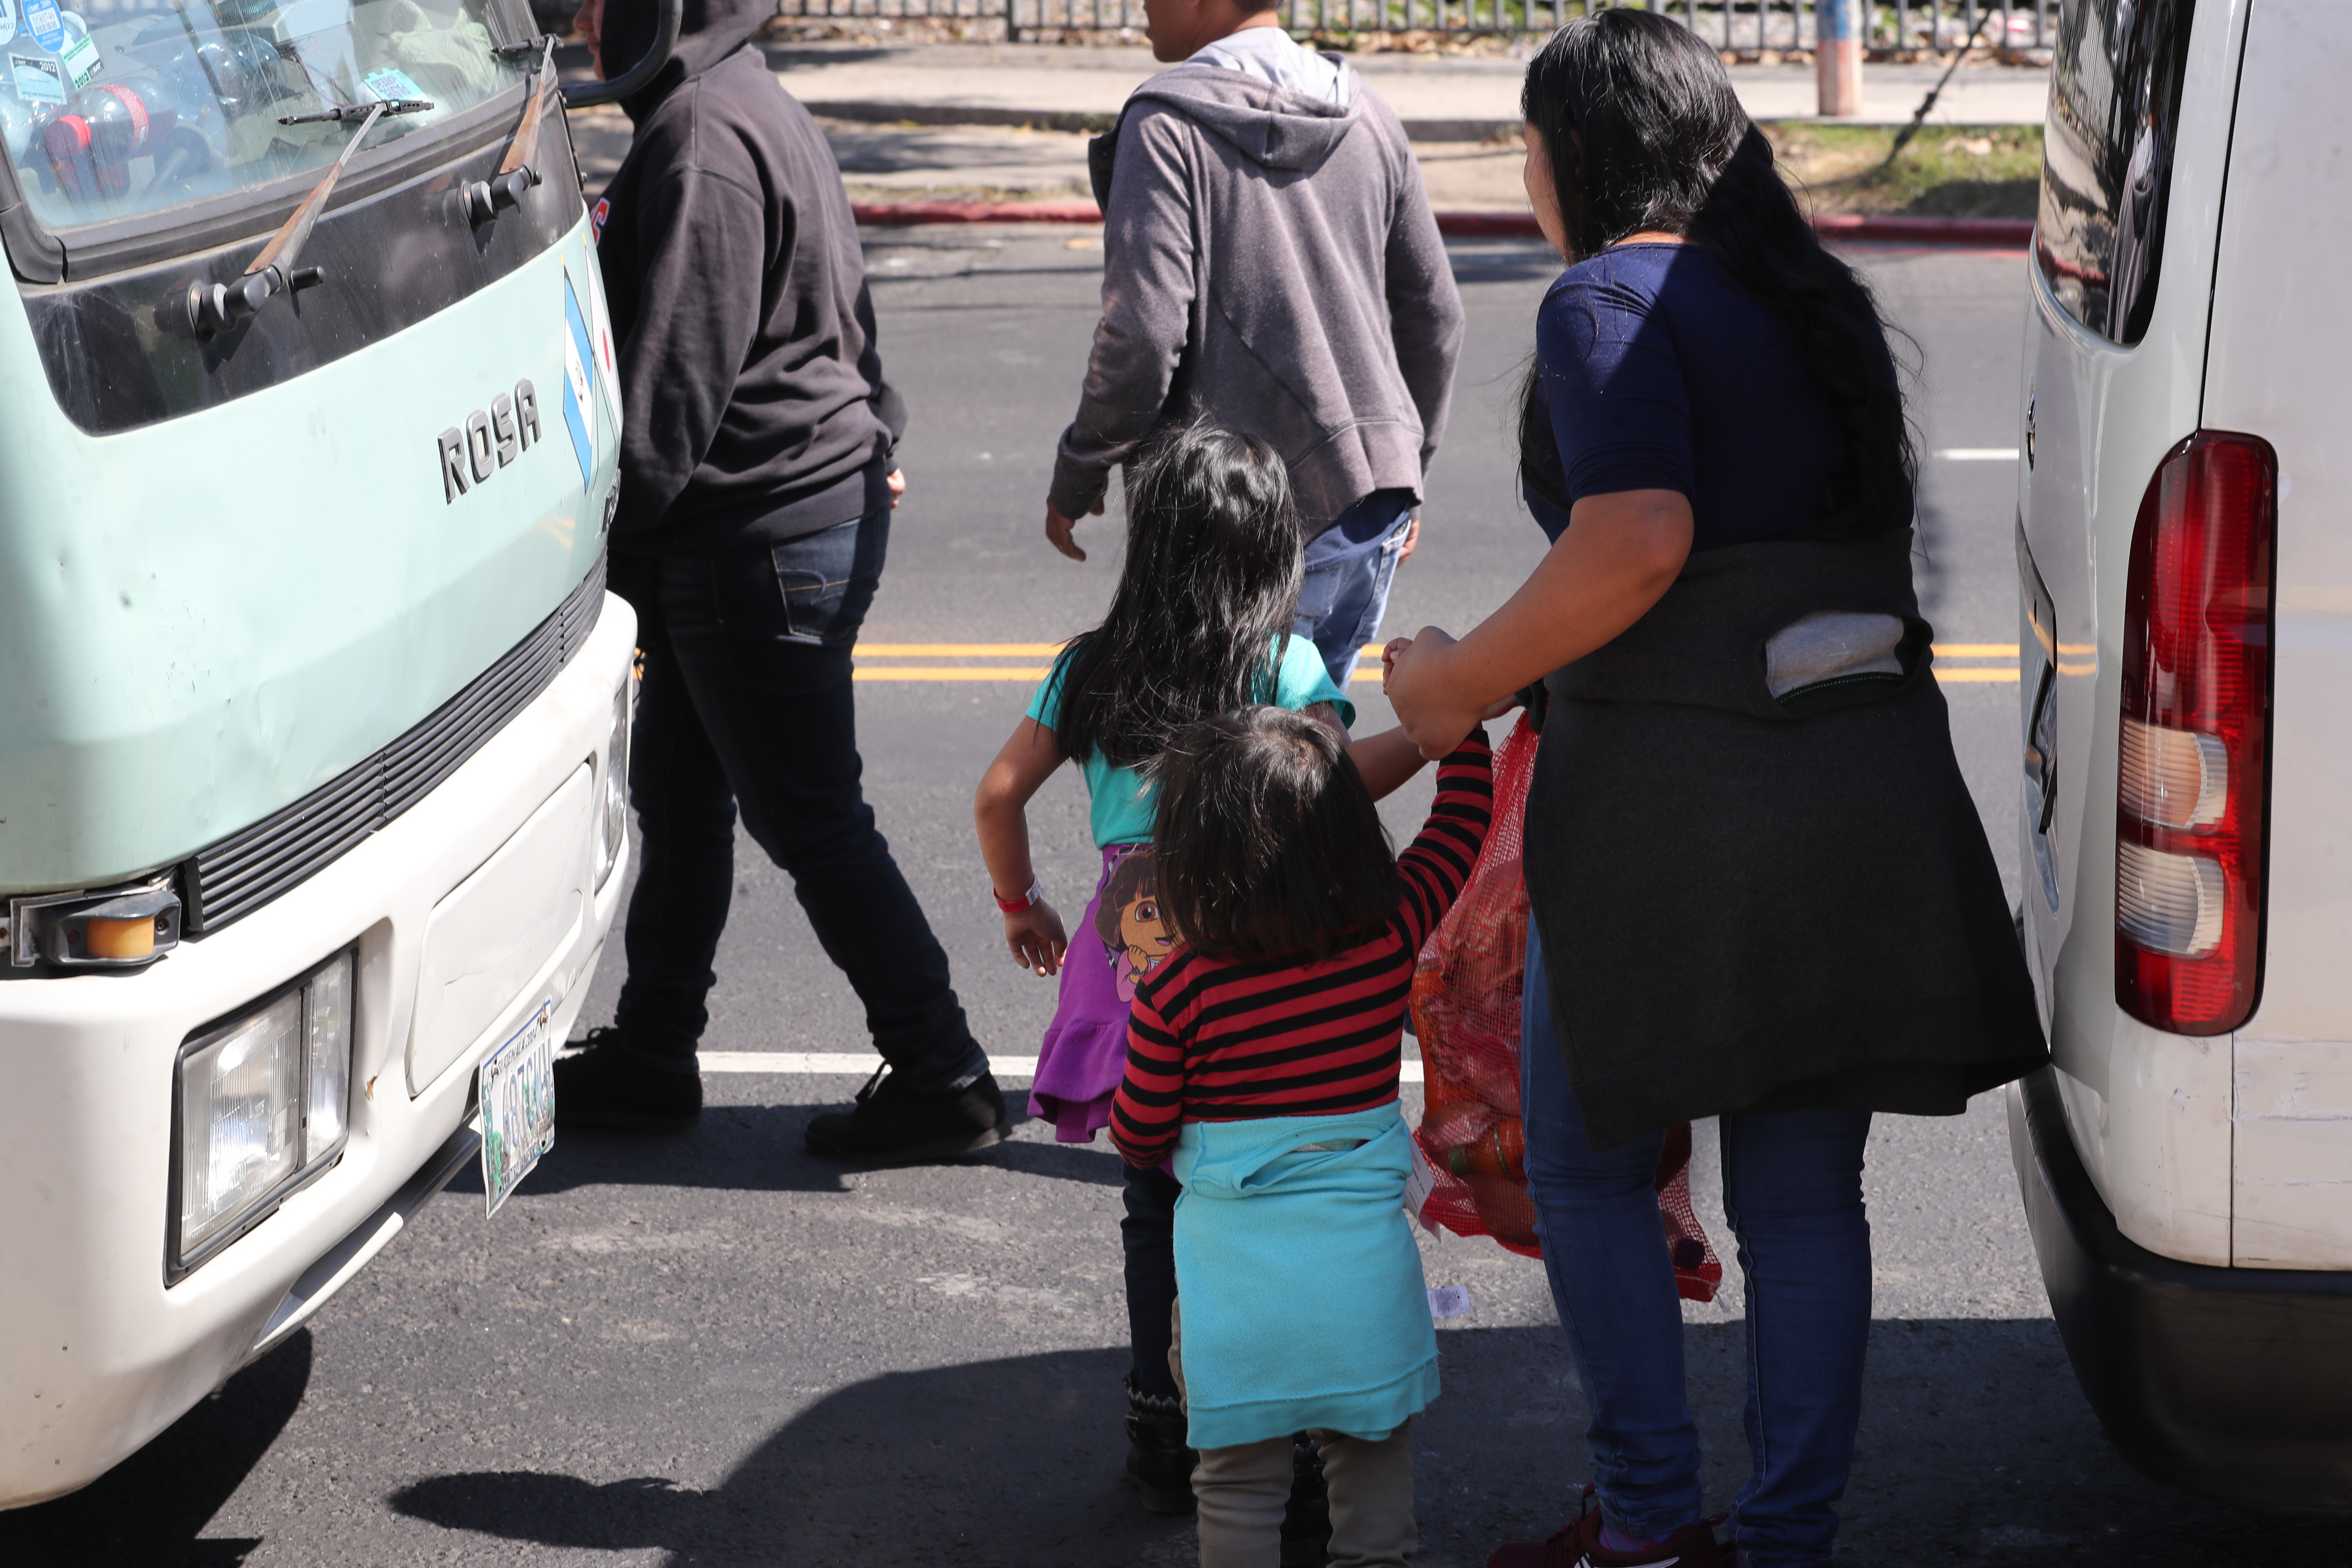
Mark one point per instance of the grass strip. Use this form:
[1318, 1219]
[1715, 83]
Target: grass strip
[1948, 171]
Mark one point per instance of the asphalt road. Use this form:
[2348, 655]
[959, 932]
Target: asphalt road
[714, 1348]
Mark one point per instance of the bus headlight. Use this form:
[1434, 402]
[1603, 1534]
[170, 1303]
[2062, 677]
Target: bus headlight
[613, 819]
[263, 1103]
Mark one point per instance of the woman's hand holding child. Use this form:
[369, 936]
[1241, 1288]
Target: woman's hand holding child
[1414, 677]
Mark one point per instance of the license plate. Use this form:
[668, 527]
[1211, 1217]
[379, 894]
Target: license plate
[518, 1100]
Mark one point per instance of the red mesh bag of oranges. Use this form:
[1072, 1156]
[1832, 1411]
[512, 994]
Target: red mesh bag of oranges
[1465, 1013]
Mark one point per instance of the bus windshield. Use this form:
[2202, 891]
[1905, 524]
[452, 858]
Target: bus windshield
[143, 107]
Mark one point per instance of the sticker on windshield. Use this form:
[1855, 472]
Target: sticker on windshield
[48, 29]
[38, 78]
[392, 83]
[80, 59]
[577, 355]
[7, 20]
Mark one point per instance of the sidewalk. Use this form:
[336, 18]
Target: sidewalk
[1008, 122]
[1439, 98]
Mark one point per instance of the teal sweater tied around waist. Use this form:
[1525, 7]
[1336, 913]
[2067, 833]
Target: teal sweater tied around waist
[1303, 1297]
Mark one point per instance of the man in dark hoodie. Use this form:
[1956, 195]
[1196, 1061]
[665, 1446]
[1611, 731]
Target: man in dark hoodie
[756, 489]
[1269, 259]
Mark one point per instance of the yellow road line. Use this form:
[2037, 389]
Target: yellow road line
[1369, 650]
[958, 649]
[1976, 674]
[953, 672]
[1367, 672]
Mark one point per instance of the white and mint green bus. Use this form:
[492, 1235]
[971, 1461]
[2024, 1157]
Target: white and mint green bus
[313, 708]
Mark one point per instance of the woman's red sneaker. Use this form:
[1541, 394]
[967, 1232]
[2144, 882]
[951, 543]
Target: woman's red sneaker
[1579, 1546]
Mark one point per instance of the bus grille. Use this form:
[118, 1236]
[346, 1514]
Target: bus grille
[230, 880]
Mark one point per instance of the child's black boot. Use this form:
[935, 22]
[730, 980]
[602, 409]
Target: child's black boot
[1158, 1462]
[1306, 1517]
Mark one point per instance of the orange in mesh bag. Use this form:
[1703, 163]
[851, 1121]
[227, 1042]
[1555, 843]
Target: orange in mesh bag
[1465, 1013]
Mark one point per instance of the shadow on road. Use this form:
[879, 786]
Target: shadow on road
[758, 1148]
[1976, 1449]
[785, 56]
[147, 1512]
[1011, 1461]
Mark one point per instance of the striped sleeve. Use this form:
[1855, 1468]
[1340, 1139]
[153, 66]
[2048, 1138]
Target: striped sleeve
[1148, 1113]
[1438, 863]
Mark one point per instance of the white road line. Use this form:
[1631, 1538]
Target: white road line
[1979, 454]
[861, 1064]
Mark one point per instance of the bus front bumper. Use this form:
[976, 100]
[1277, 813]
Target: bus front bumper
[99, 1349]
[2232, 1382]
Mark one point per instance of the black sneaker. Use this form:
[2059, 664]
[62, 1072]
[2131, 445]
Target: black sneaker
[892, 1122]
[613, 1084]
[1306, 1517]
[1158, 1462]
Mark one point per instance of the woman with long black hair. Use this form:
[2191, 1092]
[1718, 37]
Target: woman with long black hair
[1761, 890]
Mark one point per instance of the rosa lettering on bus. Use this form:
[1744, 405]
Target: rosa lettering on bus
[490, 439]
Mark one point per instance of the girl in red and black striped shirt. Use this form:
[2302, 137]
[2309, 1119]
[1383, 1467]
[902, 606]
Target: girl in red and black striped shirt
[1263, 1053]
[1291, 1004]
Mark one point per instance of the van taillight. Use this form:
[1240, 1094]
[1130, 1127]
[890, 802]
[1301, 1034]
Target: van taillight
[2190, 794]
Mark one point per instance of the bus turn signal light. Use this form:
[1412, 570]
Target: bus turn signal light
[121, 932]
[124, 940]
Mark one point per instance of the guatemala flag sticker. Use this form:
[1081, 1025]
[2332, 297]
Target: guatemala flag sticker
[578, 355]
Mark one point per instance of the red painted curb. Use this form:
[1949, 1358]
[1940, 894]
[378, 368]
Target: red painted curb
[2007, 233]
[1488, 226]
[976, 212]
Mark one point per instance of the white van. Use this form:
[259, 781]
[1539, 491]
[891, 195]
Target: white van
[2185, 564]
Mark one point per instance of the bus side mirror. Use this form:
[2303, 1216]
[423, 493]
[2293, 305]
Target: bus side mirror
[588, 94]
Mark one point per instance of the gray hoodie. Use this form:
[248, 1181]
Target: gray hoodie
[1271, 260]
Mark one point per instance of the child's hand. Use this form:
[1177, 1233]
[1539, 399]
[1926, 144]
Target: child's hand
[1035, 936]
[1414, 677]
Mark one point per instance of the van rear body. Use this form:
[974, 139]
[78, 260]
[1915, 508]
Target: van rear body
[2185, 570]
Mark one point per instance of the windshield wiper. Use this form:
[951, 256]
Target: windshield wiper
[357, 110]
[485, 199]
[213, 307]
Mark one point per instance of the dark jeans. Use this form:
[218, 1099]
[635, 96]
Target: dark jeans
[1148, 1236]
[1793, 1190]
[747, 702]
[1350, 567]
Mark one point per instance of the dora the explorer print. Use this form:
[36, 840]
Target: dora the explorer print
[1135, 939]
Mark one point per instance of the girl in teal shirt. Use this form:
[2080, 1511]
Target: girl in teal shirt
[1199, 627]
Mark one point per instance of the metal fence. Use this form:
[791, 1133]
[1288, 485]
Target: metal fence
[1741, 27]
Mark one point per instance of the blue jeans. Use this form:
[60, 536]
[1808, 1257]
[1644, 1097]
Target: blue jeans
[746, 702]
[1349, 568]
[1793, 1190]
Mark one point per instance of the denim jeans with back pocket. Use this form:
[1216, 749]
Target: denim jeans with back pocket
[747, 704]
[1350, 566]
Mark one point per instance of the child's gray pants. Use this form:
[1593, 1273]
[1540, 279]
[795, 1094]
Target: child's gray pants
[1241, 1491]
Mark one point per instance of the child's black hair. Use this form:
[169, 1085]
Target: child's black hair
[1214, 564]
[1267, 842]
[1134, 878]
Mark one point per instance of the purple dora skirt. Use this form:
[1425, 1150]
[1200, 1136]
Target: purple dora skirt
[1118, 940]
